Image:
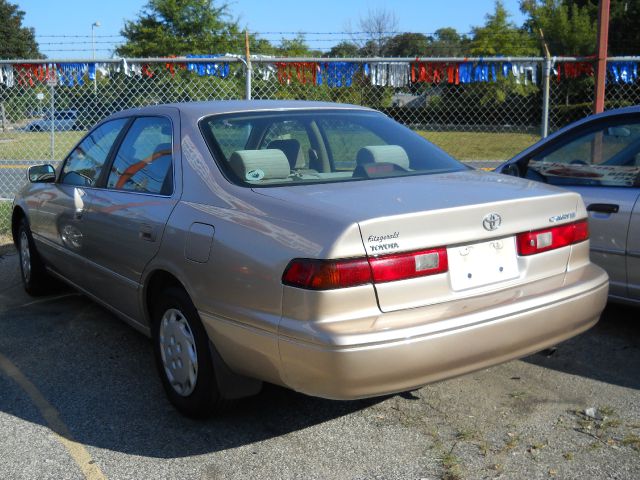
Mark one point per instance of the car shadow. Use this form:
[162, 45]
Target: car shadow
[100, 376]
[609, 352]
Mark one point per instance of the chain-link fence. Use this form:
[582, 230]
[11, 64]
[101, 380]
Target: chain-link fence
[45, 108]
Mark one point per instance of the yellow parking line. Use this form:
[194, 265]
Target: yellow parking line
[77, 451]
[24, 165]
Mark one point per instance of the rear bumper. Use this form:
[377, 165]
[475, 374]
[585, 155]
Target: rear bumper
[408, 358]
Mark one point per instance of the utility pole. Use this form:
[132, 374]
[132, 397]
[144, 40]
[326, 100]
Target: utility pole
[601, 66]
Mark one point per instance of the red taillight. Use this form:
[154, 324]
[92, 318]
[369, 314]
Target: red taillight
[551, 238]
[400, 266]
[314, 274]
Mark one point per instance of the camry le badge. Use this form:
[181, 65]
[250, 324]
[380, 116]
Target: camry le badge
[492, 221]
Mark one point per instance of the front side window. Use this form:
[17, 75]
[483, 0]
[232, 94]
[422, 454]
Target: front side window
[85, 162]
[319, 146]
[606, 155]
[143, 162]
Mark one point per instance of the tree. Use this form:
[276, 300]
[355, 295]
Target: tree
[16, 41]
[499, 36]
[179, 27]
[624, 17]
[375, 30]
[624, 35]
[295, 47]
[568, 28]
[447, 42]
[344, 49]
[406, 45]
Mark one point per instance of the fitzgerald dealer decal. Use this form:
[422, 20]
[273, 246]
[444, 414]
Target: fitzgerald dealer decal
[381, 243]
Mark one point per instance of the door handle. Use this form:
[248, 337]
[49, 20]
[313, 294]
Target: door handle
[603, 208]
[147, 233]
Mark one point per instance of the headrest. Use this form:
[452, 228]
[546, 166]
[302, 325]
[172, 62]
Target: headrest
[383, 153]
[255, 165]
[292, 149]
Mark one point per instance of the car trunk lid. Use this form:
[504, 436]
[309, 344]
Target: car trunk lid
[475, 216]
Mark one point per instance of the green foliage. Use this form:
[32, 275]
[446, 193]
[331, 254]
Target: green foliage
[499, 36]
[179, 27]
[407, 45]
[568, 29]
[16, 41]
[344, 49]
[294, 47]
[447, 42]
[624, 34]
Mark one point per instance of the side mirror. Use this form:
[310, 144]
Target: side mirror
[41, 174]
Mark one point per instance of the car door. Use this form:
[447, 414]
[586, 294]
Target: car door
[601, 161]
[126, 222]
[633, 253]
[58, 209]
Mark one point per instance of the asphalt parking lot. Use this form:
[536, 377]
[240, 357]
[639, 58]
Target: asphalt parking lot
[79, 398]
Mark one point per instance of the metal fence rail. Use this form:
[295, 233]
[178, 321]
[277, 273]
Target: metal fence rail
[47, 105]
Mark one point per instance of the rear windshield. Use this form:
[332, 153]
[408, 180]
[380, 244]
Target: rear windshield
[318, 146]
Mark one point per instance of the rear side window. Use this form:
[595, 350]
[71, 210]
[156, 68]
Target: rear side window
[85, 162]
[144, 160]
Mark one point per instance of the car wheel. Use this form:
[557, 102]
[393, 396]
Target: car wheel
[183, 358]
[34, 275]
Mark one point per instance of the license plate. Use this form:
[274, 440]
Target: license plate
[479, 264]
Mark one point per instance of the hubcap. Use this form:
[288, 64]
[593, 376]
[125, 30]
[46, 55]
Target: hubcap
[178, 351]
[25, 257]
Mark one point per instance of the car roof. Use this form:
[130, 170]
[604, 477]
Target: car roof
[198, 109]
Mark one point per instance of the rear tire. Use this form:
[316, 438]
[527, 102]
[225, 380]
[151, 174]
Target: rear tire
[183, 359]
[34, 274]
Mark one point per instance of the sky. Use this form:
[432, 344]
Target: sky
[63, 28]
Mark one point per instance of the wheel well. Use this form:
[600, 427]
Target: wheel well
[16, 217]
[157, 282]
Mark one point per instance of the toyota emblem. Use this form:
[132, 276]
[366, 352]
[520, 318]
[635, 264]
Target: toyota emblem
[491, 222]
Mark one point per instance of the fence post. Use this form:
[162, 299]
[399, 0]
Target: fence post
[52, 117]
[3, 117]
[546, 75]
[248, 69]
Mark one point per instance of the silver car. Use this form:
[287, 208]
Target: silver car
[318, 246]
[598, 157]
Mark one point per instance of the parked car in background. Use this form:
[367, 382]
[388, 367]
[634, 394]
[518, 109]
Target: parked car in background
[598, 157]
[318, 246]
[61, 120]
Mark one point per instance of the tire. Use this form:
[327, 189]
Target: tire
[34, 274]
[183, 358]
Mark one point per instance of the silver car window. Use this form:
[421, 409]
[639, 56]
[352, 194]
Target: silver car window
[608, 155]
[85, 162]
[143, 162]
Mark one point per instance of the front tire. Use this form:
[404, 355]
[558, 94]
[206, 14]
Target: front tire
[34, 274]
[183, 359]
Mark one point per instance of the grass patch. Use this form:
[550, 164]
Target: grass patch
[5, 219]
[480, 146]
[632, 440]
[461, 145]
[451, 467]
[36, 145]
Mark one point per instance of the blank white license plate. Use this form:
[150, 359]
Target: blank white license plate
[479, 264]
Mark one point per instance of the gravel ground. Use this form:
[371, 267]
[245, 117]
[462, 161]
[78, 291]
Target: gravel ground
[568, 413]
